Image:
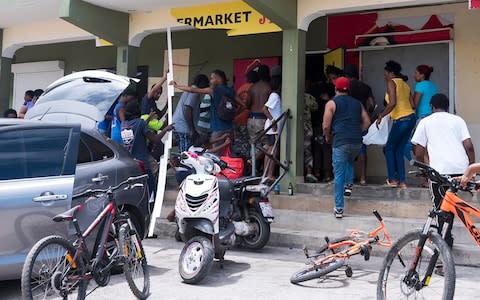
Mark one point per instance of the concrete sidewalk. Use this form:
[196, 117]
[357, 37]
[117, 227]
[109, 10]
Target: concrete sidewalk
[307, 217]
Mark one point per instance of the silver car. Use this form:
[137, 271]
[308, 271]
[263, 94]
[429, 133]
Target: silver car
[40, 164]
[37, 173]
[28, 203]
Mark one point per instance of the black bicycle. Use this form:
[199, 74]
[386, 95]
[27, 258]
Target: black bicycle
[57, 268]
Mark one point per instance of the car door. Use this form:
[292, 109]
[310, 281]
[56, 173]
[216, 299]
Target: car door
[95, 170]
[37, 170]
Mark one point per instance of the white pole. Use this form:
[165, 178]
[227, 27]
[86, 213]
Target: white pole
[162, 173]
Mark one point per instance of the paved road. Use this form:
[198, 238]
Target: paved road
[247, 275]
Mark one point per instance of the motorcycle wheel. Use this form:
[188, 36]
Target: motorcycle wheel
[260, 237]
[196, 259]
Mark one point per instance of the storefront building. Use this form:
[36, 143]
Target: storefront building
[65, 36]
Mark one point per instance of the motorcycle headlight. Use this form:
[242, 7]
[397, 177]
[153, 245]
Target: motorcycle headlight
[209, 166]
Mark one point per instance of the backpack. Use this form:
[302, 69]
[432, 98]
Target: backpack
[226, 110]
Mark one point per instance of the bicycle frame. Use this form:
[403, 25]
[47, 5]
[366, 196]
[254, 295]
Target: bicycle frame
[453, 204]
[356, 246]
[106, 218]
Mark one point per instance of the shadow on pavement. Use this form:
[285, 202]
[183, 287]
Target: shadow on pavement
[154, 271]
[337, 279]
[230, 274]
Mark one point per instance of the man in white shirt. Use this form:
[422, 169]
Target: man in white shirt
[446, 140]
[272, 111]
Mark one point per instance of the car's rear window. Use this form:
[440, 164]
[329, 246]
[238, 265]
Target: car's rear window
[97, 92]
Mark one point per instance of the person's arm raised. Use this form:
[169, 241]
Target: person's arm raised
[189, 89]
[158, 86]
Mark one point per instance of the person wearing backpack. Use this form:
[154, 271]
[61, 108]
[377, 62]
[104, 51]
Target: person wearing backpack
[223, 105]
[187, 113]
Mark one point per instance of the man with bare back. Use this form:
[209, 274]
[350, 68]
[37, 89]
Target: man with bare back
[257, 97]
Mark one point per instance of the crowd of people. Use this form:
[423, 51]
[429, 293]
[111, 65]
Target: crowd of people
[338, 109]
[209, 114]
[30, 98]
[421, 128]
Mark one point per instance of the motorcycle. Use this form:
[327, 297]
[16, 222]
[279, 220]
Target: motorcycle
[213, 214]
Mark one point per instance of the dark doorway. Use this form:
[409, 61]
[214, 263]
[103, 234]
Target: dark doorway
[313, 66]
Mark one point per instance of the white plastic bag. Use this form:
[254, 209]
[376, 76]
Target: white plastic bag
[378, 136]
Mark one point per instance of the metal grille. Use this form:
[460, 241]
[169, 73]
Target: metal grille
[195, 202]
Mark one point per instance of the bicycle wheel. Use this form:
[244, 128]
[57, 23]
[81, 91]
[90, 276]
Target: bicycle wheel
[392, 281]
[49, 271]
[135, 264]
[316, 271]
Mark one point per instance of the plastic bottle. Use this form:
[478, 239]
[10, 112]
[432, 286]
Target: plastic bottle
[290, 189]
[277, 189]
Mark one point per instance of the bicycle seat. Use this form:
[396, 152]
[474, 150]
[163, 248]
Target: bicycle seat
[68, 215]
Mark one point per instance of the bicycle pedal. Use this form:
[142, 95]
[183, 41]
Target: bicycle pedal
[365, 252]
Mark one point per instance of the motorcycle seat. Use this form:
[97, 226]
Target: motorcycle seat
[244, 181]
[68, 215]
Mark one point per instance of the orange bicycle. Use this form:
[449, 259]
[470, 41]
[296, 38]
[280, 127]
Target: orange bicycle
[409, 265]
[335, 254]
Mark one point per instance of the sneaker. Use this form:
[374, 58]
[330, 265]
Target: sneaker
[311, 179]
[338, 213]
[347, 191]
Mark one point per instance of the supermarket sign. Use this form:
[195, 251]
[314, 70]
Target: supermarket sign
[237, 17]
[474, 4]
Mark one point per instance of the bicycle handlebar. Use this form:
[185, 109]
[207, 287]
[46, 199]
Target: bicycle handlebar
[435, 176]
[129, 181]
[377, 214]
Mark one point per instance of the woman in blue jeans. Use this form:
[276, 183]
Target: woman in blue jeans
[400, 108]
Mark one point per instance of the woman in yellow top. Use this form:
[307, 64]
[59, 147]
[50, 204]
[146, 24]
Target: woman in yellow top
[403, 115]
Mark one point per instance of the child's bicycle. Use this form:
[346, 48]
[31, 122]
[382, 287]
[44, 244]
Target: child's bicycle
[57, 268]
[409, 265]
[335, 254]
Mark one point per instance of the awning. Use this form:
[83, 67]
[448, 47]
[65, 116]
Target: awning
[237, 17]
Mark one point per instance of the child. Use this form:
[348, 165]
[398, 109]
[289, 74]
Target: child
[135, 133]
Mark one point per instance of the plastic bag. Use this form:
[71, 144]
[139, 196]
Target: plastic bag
[378, 136]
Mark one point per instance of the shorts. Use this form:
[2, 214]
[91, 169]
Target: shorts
[271, 138]
[254, 126]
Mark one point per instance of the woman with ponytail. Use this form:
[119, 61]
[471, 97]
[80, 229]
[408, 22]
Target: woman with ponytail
[400, 107]
[424, 90]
